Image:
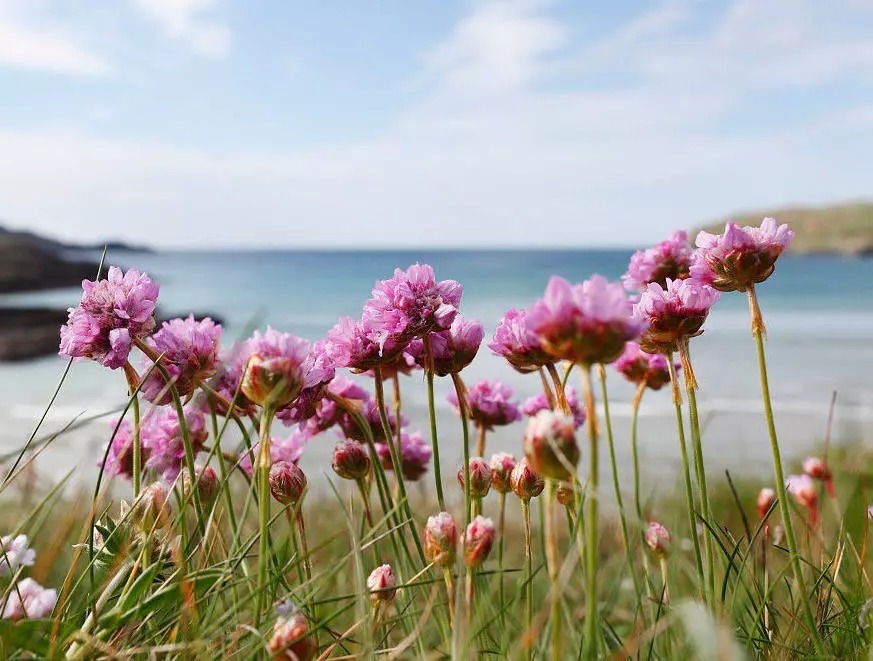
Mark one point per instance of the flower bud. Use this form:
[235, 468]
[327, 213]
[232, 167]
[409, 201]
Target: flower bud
[501, 465]
[287, 482]
[350, 460]
[803, 489]
[550, 445]
[766, 498]
[382, 585]
[480, 477]
[273, 381]
[206, 481]
[566, 494]
[525, 481]
[658, 540]
[291, 639]
[440, 539]
[152, 508]
[478, 540]
[819, 470]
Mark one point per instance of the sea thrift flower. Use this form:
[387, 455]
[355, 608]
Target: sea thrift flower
[480, 477]
[227, 383]
[818, 470]
[320, 370]
[440, 539]
[669, 259]
[350, 460]
[161, 436]
[550, 445]
[415, 453]
[525, 481]
[382, 585]
[451, 350]
[358, 346]
[478, 541]
[501, 465]
[766, 499]
[658, 540]
[15, 553]
[292, 639]
[189, 351]
[641, 368]
[335, 400]
[489, 404]
[287, 482]
[279, 366]
[111, 315]
[586, 323]
[206, 481]
[411, 304]
[537, 403]
[516, 342]
[152, 508]
[281, 449]
[802, 487]
[673, 314]
[742, 256]
[370, 412]
[29, 600]
[119, 460]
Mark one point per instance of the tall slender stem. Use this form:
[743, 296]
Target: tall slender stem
[462, 407]
[638, 502]
[591, 617]
[758, 331]
[601, 373]
[132, 379]
[501, 519]
[553, 562]
[686, 470]
[431, 409]
[547, 389]
[528, 578]
[450, 590]
[699, 466]
[480, 440]
[561, 396]
[264, 508]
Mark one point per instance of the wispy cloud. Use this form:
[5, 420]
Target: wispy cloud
[191, 23]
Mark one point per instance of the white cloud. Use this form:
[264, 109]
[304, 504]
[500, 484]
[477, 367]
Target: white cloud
[188, 21]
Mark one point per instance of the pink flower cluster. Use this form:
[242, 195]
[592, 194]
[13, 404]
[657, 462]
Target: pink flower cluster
[489, 404]
[537, 403]
[670, 259]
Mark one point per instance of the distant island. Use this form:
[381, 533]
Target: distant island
[841, 229]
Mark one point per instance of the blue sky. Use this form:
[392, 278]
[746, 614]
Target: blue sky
[201, 123]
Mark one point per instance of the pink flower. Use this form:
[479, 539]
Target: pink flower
[227, 383]
[550, 445]
[322, 412]
[537, 403]
[111, 315]
[451, 350]
[501, 465]
[382, 585]
[15, 553]
[278, 367]
[585, 324]
[350, 460]
[480, 477]
[802, 487]
[370, 412]
[766, 499]
[411, 304]
[359, 347]
[526, 483]
[658, 540]
[440, 539]
[29, 600]
[642, 368]
[669, 259]
[478, 541]
[489, 404]
[516, 342]
[286, 449]
[162, 439]
[287, 483]
[189, 351]
[673, 314]
[742, 256]
[415, 455]
[119, 460]
[818, 470]
[292, 639]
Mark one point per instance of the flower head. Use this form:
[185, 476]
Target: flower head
[537, 403]
[501, 465]
[741, 257]
[644, 369]
[802, 487]
[111, 315]
[766, 499]
[287, 482]
[440, 539]
[411, 304]
[206, 482]
[278, 367]
[669, 259]
[152, 508]
[162, 439]
[370, 412]
[15, 553]
[281, 449]
[516, 342]
[526, 483]
[480, 477]
[119, 460]
[382, 585]
[819, 470]
[415, 455]
[489, 404]
[550, 445]
[350, 460]
[673, 314]
[292, 639]
[189, 351]
[478, 541]
[658, 540]
[227, 382]
[29, 600]
[586, 323]
[359, 347]
[452, 349]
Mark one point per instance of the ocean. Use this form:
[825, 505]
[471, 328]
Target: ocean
[818, 310]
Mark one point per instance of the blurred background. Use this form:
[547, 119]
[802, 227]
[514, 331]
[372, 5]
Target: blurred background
[267, 162]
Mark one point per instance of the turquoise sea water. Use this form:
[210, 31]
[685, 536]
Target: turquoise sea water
[819, 312]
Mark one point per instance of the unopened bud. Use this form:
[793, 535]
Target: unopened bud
[566, 494]
[480, 477]
[152, 508]
[287, 482]
[525, 481]
[273, 382]
[478, 540]
[816, 468]
[206, 481]
[658, 540]
[292, 639]
[501, 465]
[440, 539]
[382, 585]
[350, 460]
[550, 445]
[766, 498]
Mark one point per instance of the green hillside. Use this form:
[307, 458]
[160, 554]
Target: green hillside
[842, 228]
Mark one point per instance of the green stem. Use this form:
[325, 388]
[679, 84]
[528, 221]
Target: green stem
[501, 519]
[638, 503]
[528, 578]
[553, 562]
[263, 468]
[805, 600]
[465, 429]
[601, 373]
[689, 490]
[591, 521]
[431, 409]
[699, 467]
[132, 380]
